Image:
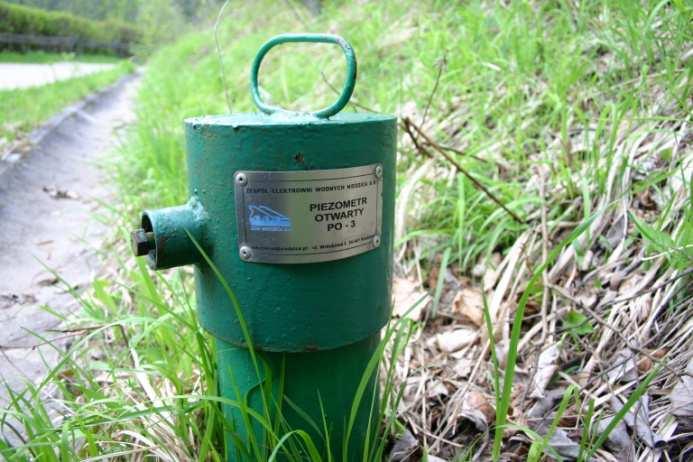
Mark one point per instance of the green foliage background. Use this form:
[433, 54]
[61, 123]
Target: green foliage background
[146, 22]
[94, 35]
[124, 10]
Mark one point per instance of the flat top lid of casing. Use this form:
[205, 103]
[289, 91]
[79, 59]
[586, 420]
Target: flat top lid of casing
[287, 119]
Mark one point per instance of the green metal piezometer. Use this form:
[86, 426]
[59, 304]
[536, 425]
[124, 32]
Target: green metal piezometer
[294, 213]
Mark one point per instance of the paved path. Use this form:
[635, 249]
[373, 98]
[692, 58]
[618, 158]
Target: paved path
[50, 205]
[13, 76]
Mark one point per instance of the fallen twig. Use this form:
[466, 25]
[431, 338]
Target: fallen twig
[441, 64]
[407, 124]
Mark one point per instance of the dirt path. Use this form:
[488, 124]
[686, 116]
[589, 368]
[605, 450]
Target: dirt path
[16, 75]
[50, 205]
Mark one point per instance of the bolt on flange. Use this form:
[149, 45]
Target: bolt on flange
[241, 178]
[245, 252]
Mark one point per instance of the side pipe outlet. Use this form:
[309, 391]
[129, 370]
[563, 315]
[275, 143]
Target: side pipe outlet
[165, 235]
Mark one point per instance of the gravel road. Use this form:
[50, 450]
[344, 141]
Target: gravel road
[14, 76]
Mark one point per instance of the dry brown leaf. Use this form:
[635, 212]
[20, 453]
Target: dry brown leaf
[587, 298]
[644, 365]
[456, 339]
[409, 299]
[659, 353]
[546, 368]
[642, 424]
[431, 458]
[618, 440]
[638, 418]
[563, 445]
[404, 447]
[617, 231]
[490, 278]
[681, 396]
[477, 409]
[463, 367]
[436, 389]
[469, 302]
[433, 273]
[622, 367]
[542, 407]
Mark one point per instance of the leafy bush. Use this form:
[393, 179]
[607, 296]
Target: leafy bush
[103, 36]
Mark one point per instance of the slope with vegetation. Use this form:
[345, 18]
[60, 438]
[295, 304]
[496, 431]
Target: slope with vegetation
[544, 220]
[80, 33]
[22, 110]
[156, 21]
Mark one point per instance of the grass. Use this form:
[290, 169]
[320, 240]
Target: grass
[570, 115]
[22, 110]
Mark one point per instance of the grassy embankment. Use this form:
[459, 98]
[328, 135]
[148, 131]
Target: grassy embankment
[575, 119]
[22, 110]
[46, 57]
[108, 36]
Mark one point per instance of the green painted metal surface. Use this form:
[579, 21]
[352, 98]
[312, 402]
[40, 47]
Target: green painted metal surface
[349, 81]
[170, 226]
[314, 324]
[330, 377]
[303, 307]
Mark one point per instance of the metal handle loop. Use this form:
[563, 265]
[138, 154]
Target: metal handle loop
[349, 83]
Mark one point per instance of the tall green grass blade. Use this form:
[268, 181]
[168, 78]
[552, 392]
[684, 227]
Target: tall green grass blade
[639, 391]
[312, 450]
[503, 400]
[586, 430]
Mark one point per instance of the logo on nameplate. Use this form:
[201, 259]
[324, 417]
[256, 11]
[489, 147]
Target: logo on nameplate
[263, 218]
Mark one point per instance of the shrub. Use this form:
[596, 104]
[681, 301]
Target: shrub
[80, 33]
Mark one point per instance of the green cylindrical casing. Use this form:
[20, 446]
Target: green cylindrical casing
[290, 307]
[316, 390]
[314, 326]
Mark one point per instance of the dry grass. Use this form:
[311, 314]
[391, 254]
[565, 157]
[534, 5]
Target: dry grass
[613, 307]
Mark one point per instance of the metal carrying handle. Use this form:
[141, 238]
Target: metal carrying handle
[349, 83]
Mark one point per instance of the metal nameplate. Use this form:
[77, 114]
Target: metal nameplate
[308, 216]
